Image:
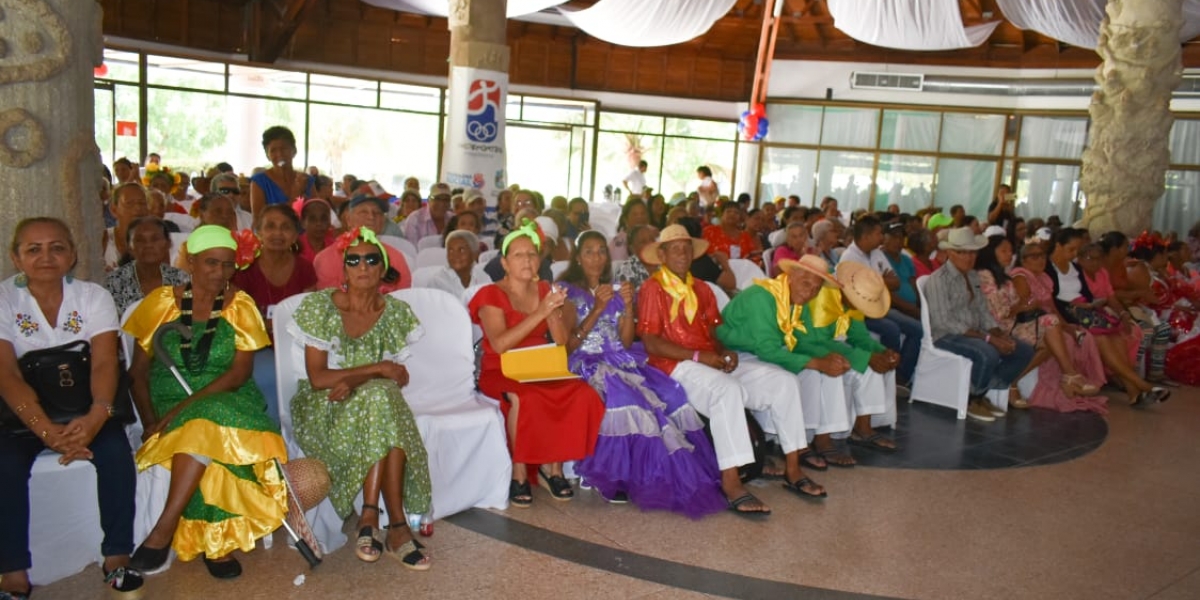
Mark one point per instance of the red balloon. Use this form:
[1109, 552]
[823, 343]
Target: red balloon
[758, 109]
[100, 71]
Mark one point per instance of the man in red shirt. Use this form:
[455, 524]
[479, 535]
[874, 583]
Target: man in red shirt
[677, 316]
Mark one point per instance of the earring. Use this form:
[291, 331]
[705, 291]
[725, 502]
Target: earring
[21, 280]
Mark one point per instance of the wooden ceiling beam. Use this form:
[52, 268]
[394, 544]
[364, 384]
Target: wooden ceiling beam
[273, 24]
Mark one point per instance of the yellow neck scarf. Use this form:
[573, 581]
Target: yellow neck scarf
[787, 315]
[680, 291]
[828, 309]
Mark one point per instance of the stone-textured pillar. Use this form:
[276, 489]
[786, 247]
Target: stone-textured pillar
[49, 162]
[474, 154]
[1127, 155]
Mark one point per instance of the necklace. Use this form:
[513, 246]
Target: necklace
[195, 361]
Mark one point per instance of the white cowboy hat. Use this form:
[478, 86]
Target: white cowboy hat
[962, 239]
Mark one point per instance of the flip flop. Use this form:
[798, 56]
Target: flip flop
[832, 452]
[797, 488]
[870, 442]
[808, 459]
[735, 506]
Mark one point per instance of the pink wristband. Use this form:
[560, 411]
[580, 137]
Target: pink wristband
[696, 356]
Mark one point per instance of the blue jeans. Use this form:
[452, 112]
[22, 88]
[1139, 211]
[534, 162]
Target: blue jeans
[116, 482]
[901, 333]
[264, 378]
[989, 369]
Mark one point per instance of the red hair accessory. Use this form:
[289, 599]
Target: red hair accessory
[248, 248]
[1149, 239]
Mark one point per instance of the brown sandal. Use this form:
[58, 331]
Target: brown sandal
[1016, 400]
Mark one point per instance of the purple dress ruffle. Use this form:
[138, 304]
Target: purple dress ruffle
[652, 444]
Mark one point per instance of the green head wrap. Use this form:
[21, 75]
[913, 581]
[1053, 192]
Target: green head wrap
[529, 229]
[207, 237]
[365, 235]
[940, 220]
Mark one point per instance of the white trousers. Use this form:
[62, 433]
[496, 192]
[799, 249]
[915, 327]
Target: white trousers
[832, 403]
[724, 398]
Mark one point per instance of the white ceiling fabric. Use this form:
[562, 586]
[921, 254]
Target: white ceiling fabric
[441, 8]
[1077, 22]
[908, 24]
[647, 23]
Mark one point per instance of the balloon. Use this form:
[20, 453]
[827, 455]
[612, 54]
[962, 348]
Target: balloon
[763, 124]
[100, 71]
[758, 109]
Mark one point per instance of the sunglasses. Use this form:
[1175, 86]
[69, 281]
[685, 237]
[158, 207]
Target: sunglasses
[373, 260]
[229, 191]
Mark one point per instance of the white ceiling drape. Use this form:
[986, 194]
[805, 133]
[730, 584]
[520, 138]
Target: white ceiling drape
[1077, 22]
[647, 23]
[441, 8]
[908, 24]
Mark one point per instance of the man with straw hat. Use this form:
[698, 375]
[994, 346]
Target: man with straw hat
[797, 322]
[677, 316]
[960, 322]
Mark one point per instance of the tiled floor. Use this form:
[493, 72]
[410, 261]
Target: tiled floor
[1118, 521]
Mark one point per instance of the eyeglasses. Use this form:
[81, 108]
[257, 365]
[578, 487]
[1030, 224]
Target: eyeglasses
[229, 191]
[373, 260]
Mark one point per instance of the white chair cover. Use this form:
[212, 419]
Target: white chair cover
[404, 246]
[745, 272]
[186, 223]
[768, 256]
[177, 240]
[486, 256]
[429, 241]
[432, 257]
[722, 297]
[558, 267]
[422, 276]
[464, 434]
[908, 24]
[941, 377]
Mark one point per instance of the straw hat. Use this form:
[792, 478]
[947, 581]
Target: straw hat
[963, 239]
[810, 263]
[672, 233]
[309, 479]
[864, 288]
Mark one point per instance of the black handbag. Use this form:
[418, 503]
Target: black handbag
[62, 379]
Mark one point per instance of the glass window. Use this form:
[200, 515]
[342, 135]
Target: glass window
[788, 172]
[345, 139]
[185, 73]
[128, 108]
[965, 182]
[719, 130]
[267, 82]
[973, 134]
[1044, 190]
[853, 127]
[910, 130]
[1184, 149]
[1053, 137]
[552, 110]
[611, 121]
[618, 154]
[904, 180]
[343, 90]
[191, 129]
[794, 124]
[121, 66]
[550, 172]
[512, 107]
[1179, 207]
[681, 156]
[106, 126]
[847, 177]
[409, 97]
[245, 119]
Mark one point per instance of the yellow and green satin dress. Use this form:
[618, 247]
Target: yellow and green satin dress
[241, 496]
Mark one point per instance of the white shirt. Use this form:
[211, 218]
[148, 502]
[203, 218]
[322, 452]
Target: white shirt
[245, 220]
[1069, 285]
[707, 191]
[877, 260]
[87, 310]
[636, 180]
[447, 280]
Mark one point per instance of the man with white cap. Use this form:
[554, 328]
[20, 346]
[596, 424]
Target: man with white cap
[960, 322]
[797, 323]
[677, 318]
[432, 218]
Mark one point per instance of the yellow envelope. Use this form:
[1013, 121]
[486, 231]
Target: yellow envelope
[547, 362]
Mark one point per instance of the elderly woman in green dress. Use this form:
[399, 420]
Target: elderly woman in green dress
[350, 412]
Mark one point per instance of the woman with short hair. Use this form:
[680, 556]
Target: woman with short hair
[146, 267]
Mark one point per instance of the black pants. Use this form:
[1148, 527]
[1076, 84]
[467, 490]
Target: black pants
[116, 483]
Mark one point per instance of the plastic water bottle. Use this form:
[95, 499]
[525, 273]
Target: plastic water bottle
[414, 521]
[426, 525]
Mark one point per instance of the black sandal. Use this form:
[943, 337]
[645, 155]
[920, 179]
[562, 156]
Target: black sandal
[149, 561]
[829, 454]
[519, 494]
[557, 485]
[409, 553]
[797, 488]
[735, 505]
[809, 460]
[368, 541]
[224, 569]
[871, 442]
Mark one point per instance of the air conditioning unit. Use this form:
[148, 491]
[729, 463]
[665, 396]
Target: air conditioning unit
[887, 81]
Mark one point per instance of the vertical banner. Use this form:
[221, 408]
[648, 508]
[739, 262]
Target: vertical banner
[474, 151]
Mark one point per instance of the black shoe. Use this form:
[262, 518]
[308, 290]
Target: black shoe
[618, 498]
[149, 560]
[226, 569]
[125, 582]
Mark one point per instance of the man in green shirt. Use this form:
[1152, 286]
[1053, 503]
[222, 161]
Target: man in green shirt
[798, 322]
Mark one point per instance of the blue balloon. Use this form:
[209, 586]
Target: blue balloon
[762, 128]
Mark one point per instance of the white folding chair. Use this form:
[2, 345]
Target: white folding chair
[404, 246]
[429, 241]
[768, 262]
[177, 240]
[487, 256]
[941, 377]
[745, 272]
[432, 257]
[186, 223]
[558, 267]
[722, 297]
[422, 276]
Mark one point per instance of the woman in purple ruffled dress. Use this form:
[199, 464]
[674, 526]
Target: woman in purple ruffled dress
[652, 448]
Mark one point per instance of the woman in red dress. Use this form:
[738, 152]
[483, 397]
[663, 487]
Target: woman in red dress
[730, 238]
[547, 422]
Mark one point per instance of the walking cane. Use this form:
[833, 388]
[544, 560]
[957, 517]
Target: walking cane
[305, 541]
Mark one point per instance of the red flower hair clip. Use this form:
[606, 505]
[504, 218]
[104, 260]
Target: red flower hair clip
[1149, 239]
[347, 239]
[248, 248]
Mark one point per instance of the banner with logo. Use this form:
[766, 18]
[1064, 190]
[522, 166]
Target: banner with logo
[474, 151]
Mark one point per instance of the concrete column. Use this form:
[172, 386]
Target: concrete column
[49, 162]
[1128, 153]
